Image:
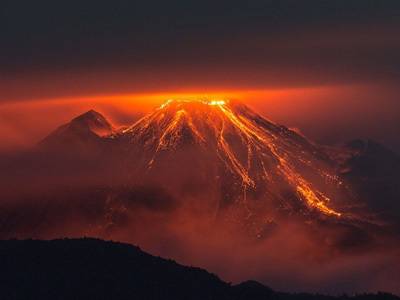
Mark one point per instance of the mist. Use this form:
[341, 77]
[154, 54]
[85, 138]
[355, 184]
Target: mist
[293, 256]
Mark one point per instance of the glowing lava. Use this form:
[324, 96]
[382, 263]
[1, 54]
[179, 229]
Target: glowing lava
[217, 102]
[254, 150]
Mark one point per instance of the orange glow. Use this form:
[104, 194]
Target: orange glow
[219, 117]
[23, 122]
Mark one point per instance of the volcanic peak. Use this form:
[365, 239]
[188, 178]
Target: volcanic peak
[251, 148]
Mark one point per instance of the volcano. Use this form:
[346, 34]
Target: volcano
[208, 164]
[219, 155]
[244, 159]
[216, 158]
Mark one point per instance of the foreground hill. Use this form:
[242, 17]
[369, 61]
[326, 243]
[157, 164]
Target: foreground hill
[95, 269]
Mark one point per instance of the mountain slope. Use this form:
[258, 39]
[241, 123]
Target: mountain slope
[236, 152]
[94, 269]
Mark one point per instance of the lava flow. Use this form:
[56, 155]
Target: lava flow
[255, 152]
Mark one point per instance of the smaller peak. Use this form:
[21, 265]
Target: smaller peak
[82, 129]
[92, 119]
[90, 114]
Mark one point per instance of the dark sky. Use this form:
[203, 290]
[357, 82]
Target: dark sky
[345, 40]
[52, 49]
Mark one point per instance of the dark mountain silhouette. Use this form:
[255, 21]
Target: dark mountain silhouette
[95, 269]
[374, 174]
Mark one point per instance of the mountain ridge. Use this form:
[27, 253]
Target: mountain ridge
[96, 269]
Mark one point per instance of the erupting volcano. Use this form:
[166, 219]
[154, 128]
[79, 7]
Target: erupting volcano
[251, 159]
[217, 159]
[222, 157]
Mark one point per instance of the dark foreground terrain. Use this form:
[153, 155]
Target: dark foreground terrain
[95, 269]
